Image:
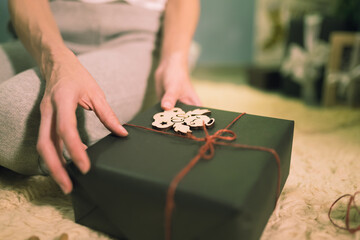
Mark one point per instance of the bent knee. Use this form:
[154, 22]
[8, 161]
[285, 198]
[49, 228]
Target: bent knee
[24, 160]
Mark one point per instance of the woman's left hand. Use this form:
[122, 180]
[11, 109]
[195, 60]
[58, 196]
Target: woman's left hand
[173, 83]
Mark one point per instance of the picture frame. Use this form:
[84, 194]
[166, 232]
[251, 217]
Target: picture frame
[340, 85]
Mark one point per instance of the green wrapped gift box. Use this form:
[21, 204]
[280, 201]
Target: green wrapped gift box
[228, 197]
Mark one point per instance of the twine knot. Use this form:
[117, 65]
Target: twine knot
[207, 150]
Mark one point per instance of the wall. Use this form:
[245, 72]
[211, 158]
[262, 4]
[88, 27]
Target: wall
[225, 32]
[4, 18]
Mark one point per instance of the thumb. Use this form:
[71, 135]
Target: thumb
[169, 99]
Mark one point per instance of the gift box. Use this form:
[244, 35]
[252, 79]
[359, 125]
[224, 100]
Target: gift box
[297, 36]
[267, 78]
[230, 196]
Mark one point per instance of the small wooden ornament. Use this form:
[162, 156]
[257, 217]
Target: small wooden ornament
[181, 121]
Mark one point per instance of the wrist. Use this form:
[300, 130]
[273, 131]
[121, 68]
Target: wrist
[178, 59]
[52, 57]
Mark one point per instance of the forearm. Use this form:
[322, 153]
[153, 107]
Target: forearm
[181, 17]
[36, 27]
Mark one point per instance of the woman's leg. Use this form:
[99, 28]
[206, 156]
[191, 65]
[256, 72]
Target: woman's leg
[20, 97]
[122, 72]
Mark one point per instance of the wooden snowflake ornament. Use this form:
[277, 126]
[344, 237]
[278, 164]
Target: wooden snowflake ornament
[181, 121]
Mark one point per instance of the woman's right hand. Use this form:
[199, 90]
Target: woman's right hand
[69, 84]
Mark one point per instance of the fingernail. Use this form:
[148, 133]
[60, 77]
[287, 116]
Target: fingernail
[64, 189]
[84, 168]
[167, 105]
[123, 131]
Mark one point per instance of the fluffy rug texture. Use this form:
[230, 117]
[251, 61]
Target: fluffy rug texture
[325, 164]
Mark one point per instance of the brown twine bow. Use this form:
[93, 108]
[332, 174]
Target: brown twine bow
[206, 152]
[351, 204]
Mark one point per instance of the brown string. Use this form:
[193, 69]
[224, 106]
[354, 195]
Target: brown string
[206, 152]
[351, 204]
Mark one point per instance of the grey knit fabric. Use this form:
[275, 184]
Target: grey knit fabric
[116, 43]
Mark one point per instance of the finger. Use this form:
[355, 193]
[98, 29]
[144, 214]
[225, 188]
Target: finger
[191, 100]
[187, 101]
[48, 152]
[196, 100]
[58, 143]
[106, 115]
[67, 130]
[169, 99]
[59, 146]
[56, 168]
[158, 83]
[159, 89]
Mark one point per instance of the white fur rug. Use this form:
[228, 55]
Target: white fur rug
[325, 164]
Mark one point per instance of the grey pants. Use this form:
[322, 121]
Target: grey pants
[116, 43]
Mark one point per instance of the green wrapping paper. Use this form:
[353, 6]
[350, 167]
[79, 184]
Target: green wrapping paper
[228, 197]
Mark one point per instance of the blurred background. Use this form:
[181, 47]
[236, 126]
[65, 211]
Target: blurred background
[305, 49]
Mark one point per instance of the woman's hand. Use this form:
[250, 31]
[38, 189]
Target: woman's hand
[173, 83]
[68, 84]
